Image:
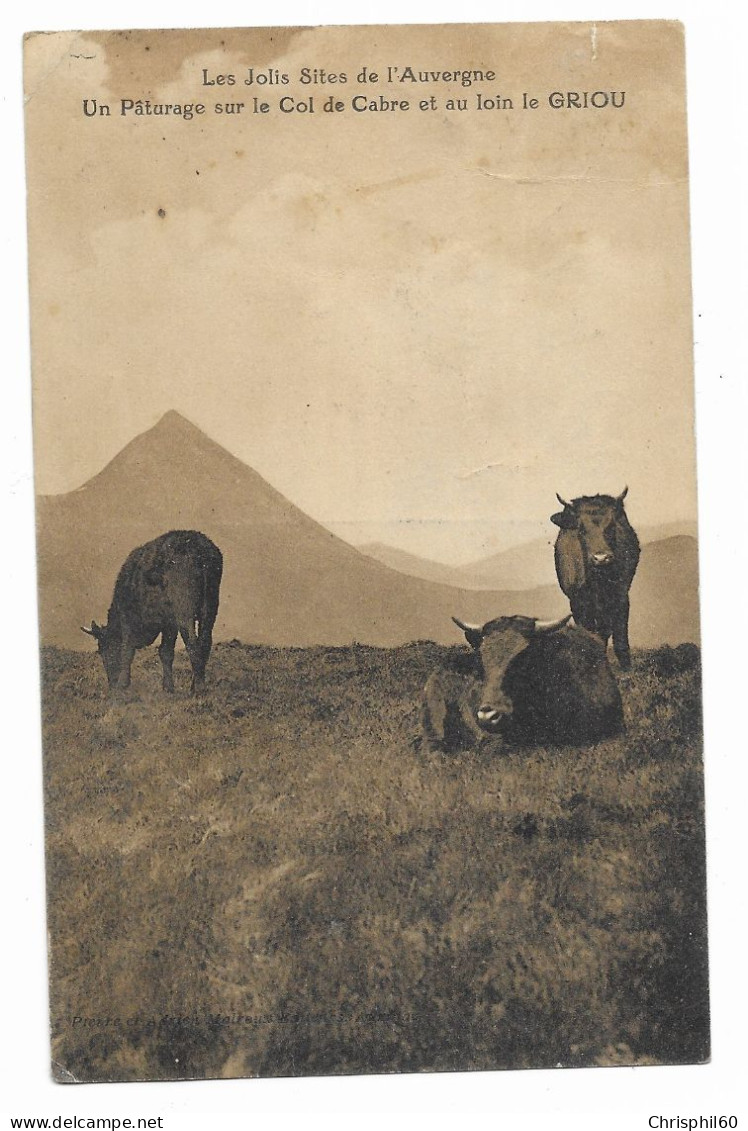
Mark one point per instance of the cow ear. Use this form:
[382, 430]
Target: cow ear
[95, 630]
[566, 519]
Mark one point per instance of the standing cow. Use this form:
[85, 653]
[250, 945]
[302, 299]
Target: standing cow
[526, 681]
[168, 586]
[597, 553]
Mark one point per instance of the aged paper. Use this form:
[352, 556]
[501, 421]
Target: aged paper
[339, 334]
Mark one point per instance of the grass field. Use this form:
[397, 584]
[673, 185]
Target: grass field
[279, 879]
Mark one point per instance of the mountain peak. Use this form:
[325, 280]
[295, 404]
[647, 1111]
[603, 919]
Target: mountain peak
[172, 438]
[173, 420]
[288, 580]
[179, 477]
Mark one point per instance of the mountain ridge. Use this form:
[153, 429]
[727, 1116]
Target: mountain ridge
[287, 579]
[525, 565]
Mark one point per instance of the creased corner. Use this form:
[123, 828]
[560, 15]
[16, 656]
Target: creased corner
[45, 53]
[61, 1075]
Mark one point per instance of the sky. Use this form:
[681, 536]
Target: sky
[417, 326]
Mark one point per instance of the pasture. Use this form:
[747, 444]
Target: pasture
[279, 879]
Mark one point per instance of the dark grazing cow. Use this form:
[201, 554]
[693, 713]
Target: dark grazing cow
[597, 553]
[524, 681]
[168, 586]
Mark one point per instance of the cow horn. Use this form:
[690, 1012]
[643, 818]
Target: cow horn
[542, 626]
[468, 627]
[622, 495]
[563, 502]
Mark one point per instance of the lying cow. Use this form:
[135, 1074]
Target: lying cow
[525, 681]
[169, 586]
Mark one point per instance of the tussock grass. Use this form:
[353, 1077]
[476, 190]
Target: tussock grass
[280, 878]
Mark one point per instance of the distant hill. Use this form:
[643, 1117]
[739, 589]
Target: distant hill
[665, 593]
[411, 564]
[662, 530]
[520, 567]
[287, 580]
[529, 564]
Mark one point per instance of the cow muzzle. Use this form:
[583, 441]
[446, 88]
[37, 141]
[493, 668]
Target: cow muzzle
[601, 561]
[490, 717]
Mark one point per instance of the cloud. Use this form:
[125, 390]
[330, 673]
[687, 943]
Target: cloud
[364, 311]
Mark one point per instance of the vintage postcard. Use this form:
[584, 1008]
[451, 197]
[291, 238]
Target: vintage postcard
[367, 549]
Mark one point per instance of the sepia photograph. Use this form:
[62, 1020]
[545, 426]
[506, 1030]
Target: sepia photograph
[362, 369]
[367, 552]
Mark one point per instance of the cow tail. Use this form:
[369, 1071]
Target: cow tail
[211, 572]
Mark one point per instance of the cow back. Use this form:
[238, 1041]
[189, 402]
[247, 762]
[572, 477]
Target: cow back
[627, 550]
[165, 582]
[563, 689]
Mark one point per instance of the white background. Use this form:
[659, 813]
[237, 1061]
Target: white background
[717, 55]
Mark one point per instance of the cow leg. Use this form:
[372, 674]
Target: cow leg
[621, 633]
[195, 653]
[205, 639]
[586, 611]
[127, 655]
[166, 654]
[583, 611]
[599, 614]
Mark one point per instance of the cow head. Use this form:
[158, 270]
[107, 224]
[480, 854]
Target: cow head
[110, 649]
[498, 642]
[595, 519]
